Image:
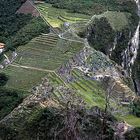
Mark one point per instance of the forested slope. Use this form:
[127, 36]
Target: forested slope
[94, 6]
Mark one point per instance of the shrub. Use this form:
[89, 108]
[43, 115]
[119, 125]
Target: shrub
[3, 79]
[133, 135]
[101, 35]
[135, 106]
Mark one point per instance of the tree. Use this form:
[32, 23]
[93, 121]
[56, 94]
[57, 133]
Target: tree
[109, 89]
[3, 79]
[133, 134]
[135, 107]
[101, 35]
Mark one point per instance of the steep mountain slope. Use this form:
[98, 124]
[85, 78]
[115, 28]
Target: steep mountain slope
[67, 77]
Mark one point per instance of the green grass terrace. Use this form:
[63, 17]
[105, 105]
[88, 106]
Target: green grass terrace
[24, 79]
[90, 90]
[47, 52]
[39, 58]
[56, 17]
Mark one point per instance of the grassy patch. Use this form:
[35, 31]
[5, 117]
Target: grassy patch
[56, 17]
[117, 20]
[41, 57]
[91, 91]
[132, 120]
[47, 52]
[23, 79]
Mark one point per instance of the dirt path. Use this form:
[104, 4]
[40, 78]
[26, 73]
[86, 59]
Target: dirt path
[38, 69]
[44, 19]
[32, 68]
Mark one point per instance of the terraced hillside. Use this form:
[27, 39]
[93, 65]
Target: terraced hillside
[89, 89]
[52, 66]
[23, 79]
[26, 78]
[47, 51]
[42, 55]
[57, 17]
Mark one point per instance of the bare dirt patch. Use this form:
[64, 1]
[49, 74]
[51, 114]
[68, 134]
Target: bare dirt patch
[28, 8]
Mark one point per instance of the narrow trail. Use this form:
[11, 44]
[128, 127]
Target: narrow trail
[38, 69]
[44, 18]
[31, 68]
[52, 28]
[72, 40]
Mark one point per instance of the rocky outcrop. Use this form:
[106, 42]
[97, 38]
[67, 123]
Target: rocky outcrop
[130, 54]
[120, 129]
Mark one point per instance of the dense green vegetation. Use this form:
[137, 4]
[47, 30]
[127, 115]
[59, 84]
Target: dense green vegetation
[18, 29]
[50, 117]
[136, 68]
[103, 31]
[9, 8]
[101, 35]
[15, 30]
[93, 6]
[56, 17]
[135, 106]
[71, 119]
[34, 27]
[10, 22]
[3, 79]
[9, 99]
[59, 115]
[133, 134]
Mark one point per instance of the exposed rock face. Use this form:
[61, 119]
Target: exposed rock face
[137, 82]
[130, 54]
[136, 79]
[28, 8]
[121, 128]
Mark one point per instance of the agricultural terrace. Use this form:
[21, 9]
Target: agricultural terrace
[94, 94]
[47, 51]
[90, 90]
[117, 20]
[25, 79]
[56, 17]
[40, 58]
